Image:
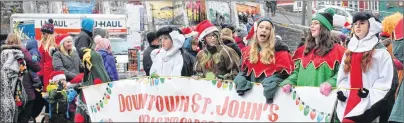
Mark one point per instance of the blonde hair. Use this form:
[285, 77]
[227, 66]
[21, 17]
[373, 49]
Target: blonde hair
[63, 49]
[267, 53]
[48, 42]
[13, 39]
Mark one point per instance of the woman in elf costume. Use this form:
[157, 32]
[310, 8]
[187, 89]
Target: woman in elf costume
[265, 60]
[215, 60]
[94, 73]
[317, 61]
[366, 79]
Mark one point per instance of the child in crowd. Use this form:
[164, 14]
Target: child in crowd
[32, 47]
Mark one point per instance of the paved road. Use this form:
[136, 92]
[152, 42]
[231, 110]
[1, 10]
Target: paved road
[287, 18]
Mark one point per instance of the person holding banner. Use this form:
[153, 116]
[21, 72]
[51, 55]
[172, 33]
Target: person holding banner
[367, 78]
[266, 60]
[318, 59]
[169, 60]
[215, 60]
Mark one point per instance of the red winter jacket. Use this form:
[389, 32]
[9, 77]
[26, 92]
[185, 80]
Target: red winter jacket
[46, 65]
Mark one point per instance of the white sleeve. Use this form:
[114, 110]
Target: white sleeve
[177, 68]
[153, 68]
[383, 84]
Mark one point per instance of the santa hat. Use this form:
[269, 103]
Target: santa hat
[347, 25]
[60, 39]
[252, 31]
[398, 32]
[188, 32]
[204, 28]
[57, 75]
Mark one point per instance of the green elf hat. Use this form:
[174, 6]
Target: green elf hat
[326, 18]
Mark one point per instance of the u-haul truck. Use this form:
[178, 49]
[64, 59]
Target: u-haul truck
[71, 23]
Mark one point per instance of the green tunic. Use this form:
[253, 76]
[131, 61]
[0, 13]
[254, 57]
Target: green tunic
[310, 76]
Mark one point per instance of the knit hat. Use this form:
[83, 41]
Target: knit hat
[102, 44]
[87, 24]
[151, 36]
[204, 28]
[325, 18]
[48, 27]
[60, 39]
[398, 32]
[101, 32]
[57, 76]
[188, 32]
[226, 34]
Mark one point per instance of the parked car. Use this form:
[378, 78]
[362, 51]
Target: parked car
[341, 15]
[120, 51]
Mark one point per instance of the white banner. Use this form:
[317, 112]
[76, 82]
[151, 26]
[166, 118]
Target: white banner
[188, 100]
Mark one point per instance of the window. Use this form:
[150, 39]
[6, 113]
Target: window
[340, 12]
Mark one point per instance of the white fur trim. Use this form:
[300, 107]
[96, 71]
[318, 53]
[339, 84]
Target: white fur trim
[58, 77]
[193, 33]
[206, 32]
[65, 39]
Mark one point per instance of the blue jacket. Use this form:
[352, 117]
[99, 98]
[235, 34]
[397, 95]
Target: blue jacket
[109, 64]
[32, 47]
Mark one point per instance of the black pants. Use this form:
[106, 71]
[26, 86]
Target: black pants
[24, 114]
[273, 8]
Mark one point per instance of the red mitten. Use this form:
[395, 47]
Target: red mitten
[77, 79]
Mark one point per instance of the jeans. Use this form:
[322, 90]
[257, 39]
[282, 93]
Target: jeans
[273, 8]
[25, 113]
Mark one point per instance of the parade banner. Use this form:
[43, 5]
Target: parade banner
[189, 100]
[218, 12]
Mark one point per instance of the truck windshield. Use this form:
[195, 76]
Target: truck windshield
[119, 46]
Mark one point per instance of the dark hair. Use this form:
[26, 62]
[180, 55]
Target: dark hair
[151, 36]
[325, 44]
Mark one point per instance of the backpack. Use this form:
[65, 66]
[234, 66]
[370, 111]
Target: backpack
[189, 60]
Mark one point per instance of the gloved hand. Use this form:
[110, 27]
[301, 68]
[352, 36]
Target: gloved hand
[341, 97]
[242, 85]
[60, 86]
[77, 88]
[287, 88]
[363, 93]
[325, 88]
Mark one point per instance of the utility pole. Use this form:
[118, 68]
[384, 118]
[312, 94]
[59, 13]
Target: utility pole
[303, 13]
[309, 12]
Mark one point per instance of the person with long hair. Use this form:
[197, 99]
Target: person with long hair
[367, 78]
[266, 60]
[13, 52]
[318, 59]
[215, 60]
[47, 47]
